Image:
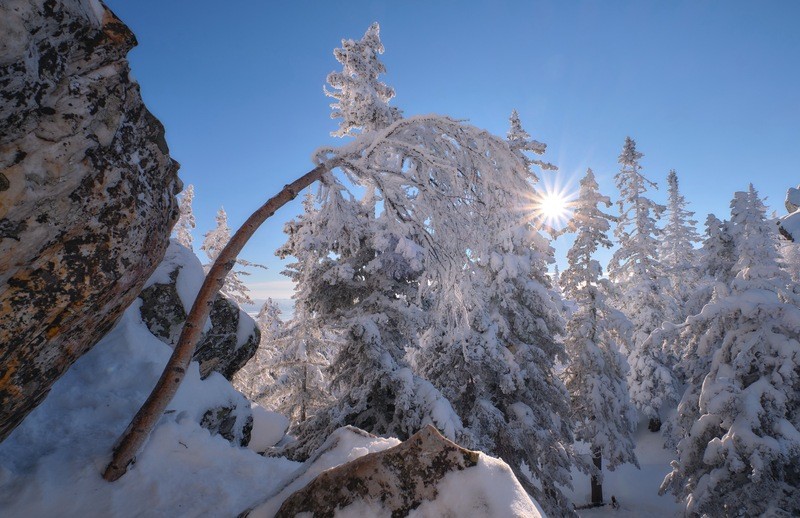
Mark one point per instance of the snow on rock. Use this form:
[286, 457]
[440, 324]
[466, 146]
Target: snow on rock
[425, 476]
[87, 190]
[51, 464]
[268, 429]
[230, 336]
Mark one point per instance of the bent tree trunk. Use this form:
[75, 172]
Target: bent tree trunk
[142, 424]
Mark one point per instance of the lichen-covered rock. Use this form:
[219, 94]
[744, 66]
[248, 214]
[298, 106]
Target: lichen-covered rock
[87, 190]
[229, 340]
[400, 478]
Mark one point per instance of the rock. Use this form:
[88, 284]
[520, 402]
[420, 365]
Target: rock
[789, 225]
[87, 190]
[400, 478]
[233, 336]
[233, 422]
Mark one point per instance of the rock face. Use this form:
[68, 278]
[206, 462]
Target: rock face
[400, 478]
[790, 225]
[233, 336]
[87, 190]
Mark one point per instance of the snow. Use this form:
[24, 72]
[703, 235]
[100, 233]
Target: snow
[268, 429]
[486, 490]
[635, 489]
[51, 464]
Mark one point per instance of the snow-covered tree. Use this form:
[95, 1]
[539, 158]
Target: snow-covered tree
[595, 376]
[361, 99]
[741, 451]
[438, 242]
[351, 276]
[269, 321]
[183, 228]
[491, 345]
[676, 252]
[641, 286]
[556, 280]
[257, 375]
[213, 243]
[521, 143]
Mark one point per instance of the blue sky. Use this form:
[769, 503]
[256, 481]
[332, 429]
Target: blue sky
[711, 89]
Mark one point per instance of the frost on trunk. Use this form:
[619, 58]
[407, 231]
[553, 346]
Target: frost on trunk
[183, 228]
[741, 450]
[213, 243]
[676, 250]
[595, 375]
[642, 286]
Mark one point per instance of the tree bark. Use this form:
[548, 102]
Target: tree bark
[148, 415]
[597, 487]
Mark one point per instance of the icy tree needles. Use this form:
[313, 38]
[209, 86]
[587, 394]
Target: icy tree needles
[741, 450]
[595, 375]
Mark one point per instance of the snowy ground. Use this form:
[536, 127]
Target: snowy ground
[635, 489]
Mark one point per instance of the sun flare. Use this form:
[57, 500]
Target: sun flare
[553, 204]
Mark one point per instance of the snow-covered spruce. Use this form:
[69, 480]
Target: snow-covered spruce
[362, 100]
[595, 374]
[742, 448]
[641, 283]
[213, 243]
[676, 251]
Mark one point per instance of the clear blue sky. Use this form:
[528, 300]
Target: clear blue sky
[711, 89]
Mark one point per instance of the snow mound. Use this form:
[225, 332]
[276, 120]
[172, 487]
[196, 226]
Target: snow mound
[268, 429]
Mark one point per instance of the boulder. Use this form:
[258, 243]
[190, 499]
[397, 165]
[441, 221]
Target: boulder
[229, 340]
[87, 190]
[400, 478]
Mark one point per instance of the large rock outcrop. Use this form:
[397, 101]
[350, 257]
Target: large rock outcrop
[230, 338]
[789, 225]
[87, 190]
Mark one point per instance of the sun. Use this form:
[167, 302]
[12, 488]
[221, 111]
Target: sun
[553, 204]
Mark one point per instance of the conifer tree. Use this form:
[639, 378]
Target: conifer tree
[742, 449]
[215, 240]
[256, 376]
[521, 143]
[676, 252]
[641, 286]
[362, 100]
[183, 228]
[595, 375]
